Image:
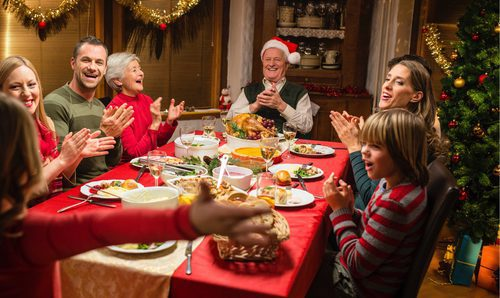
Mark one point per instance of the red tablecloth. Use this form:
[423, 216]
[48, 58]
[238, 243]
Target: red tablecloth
[290, 275]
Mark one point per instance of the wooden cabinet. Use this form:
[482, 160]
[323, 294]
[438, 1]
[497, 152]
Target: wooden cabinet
[352, 42]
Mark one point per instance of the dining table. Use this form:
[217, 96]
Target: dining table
[106, 273]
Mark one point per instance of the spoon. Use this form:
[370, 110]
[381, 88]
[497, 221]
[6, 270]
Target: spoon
[223, 164]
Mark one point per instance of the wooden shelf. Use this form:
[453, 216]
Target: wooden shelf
[310, 32]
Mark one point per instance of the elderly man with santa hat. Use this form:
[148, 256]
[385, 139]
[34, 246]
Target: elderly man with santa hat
[275, 97]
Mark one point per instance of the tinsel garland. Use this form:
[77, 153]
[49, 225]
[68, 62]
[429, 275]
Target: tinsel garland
[157, 16]
[433, 42]
[46, 21]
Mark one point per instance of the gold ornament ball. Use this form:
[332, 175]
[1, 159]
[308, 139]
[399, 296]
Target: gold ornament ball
[497, 28]
[496, 171]
[454, 56]
[459, 82]
[478, 131]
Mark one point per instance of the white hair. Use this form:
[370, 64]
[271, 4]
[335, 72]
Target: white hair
[117, 63]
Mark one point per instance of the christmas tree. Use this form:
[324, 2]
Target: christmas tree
[469, 115]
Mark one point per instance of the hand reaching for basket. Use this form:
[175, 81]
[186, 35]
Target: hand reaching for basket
[209, 217]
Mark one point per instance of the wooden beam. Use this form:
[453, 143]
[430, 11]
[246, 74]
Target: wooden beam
[217, 52]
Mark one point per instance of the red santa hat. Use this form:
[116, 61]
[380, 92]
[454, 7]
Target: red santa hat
[289, 48]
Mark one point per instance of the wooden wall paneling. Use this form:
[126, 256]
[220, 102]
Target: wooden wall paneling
[100, 24]
[265, 18]
[216, 43]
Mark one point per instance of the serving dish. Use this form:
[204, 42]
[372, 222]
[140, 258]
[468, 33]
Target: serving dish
[202, 146]
[155, 197]
[120, 248]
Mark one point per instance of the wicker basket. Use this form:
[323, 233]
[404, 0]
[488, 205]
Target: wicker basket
[229, 250]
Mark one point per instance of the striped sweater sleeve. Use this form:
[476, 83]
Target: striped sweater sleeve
[388, 221]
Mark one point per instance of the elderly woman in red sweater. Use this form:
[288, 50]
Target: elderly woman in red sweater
[147, 132]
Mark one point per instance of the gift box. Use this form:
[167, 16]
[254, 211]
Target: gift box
[465, 261]
[487, 277]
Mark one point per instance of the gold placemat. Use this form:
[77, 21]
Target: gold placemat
[105, 273]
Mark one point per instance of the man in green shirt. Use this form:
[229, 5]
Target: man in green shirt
[74, 106]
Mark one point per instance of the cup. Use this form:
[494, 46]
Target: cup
[331, 57]
[266, 188]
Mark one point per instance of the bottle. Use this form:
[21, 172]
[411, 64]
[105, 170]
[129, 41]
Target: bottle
[286, 12]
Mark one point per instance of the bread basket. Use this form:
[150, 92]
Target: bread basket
[230, 250]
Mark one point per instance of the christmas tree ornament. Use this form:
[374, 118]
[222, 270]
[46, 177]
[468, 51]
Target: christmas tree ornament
[496, 171]
[163, 26]
[463, 194]
[436, 47]
[478, 131]
[459, 83]
[495, 110]
[482, 12]
[475, 37]
[455, 158]
[482, 78]
[497, 28]
[42, 25]
[444, 96]
[453, 124]
[454, 55]
[425, 29]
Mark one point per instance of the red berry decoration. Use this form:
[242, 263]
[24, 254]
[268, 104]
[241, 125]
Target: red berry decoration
[444, 96]
[475, 37]
[42, 25]
[455, 158]
[482, 78]
[462, 196]
[425, 29]
[482, 12]
[453, 124]
[163, 26]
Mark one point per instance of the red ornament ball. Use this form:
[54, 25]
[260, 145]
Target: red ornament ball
[455, 158]
[482, 78]
[462, 196]
[42, 25]
[482, 12]
[453, 123]
[444, 96]
[163, 26]
[475, 37]
[425, 29]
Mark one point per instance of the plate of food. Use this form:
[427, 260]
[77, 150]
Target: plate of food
[190, 184]
[311, 150]
[142, 248]
[138, 162]
[290, 198]
[115, 186]
[306, 171]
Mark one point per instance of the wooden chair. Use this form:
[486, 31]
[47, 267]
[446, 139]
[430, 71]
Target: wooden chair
[442, 194]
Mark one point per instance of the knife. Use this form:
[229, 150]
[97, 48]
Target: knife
[93, 202]
[188, 254]
[144, 161]
[301, 181]
[141, 171]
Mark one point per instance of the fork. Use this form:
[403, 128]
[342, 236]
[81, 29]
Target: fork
[189, 253]
[89, 198]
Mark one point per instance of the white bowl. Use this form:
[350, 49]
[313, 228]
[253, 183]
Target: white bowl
[240, 177]
[208, 147]
[159, 197]
[168, 173]
[234, 142]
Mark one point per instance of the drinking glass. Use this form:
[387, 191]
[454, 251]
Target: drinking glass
[225, 121]
[187, 195]
[208, 123]
[266, 187]
[289, 131]
[156, 159]
[187, 136]
[268, 147]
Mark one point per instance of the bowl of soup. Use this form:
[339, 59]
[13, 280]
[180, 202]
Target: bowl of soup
[239, 177]
[158, 197]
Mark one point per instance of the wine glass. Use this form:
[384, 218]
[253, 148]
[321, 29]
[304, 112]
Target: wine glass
[289, 131]
[156, 159]
[268, 147]
[208, 123]
[187, 136]
[225, 121]
[266, 187]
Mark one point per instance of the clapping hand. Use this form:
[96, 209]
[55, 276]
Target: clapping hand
[340, 196]
[98, 146]
[73, 145]
[155, 109]
[174, 111]
[271, 98]
[347, 128]
[115, 120]
[209, 217]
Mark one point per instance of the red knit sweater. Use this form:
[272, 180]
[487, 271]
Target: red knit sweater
[27, 263]
[378, 249]
[138, 139]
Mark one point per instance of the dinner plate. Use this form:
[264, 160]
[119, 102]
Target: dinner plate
[136, 163]
[321, 151]
[299, 198]
[86, 190]
[164, 246]
[290, 167]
